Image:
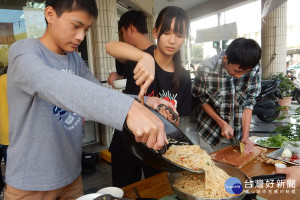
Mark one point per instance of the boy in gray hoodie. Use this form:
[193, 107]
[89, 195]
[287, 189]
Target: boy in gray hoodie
[50, 89]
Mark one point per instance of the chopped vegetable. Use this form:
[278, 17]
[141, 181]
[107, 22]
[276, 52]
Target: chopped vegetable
[242, 147]
[273, 141]
[286, 153]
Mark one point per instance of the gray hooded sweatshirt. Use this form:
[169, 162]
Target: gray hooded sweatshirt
[48, 94]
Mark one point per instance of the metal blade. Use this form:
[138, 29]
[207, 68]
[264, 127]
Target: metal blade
[235, 143]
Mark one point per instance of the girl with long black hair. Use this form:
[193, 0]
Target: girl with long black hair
[171, 82]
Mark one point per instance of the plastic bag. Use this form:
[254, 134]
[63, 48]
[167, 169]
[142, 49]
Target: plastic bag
[294, 146]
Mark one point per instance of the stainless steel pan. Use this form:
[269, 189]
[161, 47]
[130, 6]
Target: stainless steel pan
[231, 171]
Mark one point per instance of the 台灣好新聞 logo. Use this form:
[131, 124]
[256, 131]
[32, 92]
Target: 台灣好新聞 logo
[233, 186]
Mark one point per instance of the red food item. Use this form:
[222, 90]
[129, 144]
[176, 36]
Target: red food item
[294, 157]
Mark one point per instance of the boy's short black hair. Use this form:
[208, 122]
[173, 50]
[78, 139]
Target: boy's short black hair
[61, 6]
[136, 18]
[245, 52]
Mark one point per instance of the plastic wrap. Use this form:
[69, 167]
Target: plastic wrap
[294, 146]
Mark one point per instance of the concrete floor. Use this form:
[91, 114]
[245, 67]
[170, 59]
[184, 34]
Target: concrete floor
[101, 177]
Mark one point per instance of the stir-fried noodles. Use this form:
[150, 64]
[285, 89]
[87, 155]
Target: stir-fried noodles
[209, 184]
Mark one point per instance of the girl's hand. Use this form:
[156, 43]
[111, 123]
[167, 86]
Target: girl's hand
[154, 102]
[145, 69]
[169, 116]
[144, 73]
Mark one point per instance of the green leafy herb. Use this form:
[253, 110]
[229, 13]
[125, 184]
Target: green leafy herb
[273, 141]
[290, 129]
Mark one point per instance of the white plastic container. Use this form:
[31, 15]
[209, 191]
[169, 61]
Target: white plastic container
[114, 191]
[120, 84]
[89, 196]
[279, 165]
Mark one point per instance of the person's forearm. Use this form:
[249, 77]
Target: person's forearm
[246, 120]
[47, 84]
[212, 113]
[123, 51]
[144, 70]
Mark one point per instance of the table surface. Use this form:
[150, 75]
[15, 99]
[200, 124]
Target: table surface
[158, 186]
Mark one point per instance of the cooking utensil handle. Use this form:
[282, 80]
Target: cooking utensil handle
[170, 110]
[269, 177]
[139, 197]
[136, 192]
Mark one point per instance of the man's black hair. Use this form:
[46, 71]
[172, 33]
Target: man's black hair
[136, 18]
[245, 52]
[61, 6]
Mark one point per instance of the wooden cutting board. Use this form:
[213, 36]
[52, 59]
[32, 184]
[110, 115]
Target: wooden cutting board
[231, 157]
